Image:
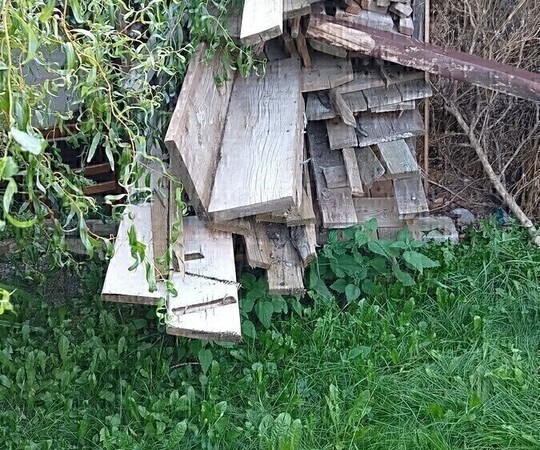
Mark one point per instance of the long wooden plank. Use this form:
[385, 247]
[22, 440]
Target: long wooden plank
[124, 285]
[319, 106]
[336, 205]
[260, 167]
[326, 72]
[261, 20]
[340, 135]
[353, 172]
[410, 197]
[437, 60]
[389, 126]
[206, 306]
[196, 128]
[397, 158]
[286, 274]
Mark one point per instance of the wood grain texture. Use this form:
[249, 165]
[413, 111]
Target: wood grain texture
[370, 19]
[335, 177]
[353, 172]
[261, 20]
[207, 280]
[304, 239]
[397, 158]
[342, 108]
[380, 96]
[369, 166]
[160, 230]
[382, 209]
[296, 8]
[326, 72]
[329, 49]
[410, 197]
[319, 106]
[260, 167]
[401, 106]
[414, 90]
[257, 246]
[382, 189]
[124, 285]
[437, 60]
[285, 276]
[336, 205]
[196, 128]
[340, 135]
[389, 126]
[303, 50]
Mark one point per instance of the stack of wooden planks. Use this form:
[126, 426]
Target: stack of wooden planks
[325, 139]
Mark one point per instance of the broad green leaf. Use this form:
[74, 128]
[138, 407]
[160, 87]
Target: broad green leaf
[403, 277]
[339, 285]
[377, 248]
[63, 347]
[418, 261]
[362, 351]
[205, 358]
[8, 167]
[31, 144]
[248, 329]
[47, 11]
[352, 293]
[264, 310]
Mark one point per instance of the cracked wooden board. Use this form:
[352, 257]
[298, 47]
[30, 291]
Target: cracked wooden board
[326, 72]
[387, 127]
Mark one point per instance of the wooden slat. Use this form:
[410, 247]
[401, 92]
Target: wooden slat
[285, 276]
[304, 239]
[397, 158]
[362, 80]
[335, 176]
[369, 165]
[257, 246]
[401, 106]
[389, 233]
[389, 127]
[196, 128]
[353, 172]
[410, 52]
[101, 188]
[340, 135]
[206, 306]
[382, 209]
[124, 285]
[319, 106]
[260, 167]
[303, 51]
[326, 72]
[410, 197]
[370, 19]
[296, 8]
[382, 189]
[160, 230]
[234, 226]
[261, 20]
[329, 49]
[336, 205]
[342, 108]
[380, 96]
[414, 90]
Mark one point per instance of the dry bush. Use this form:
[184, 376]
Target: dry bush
[507, 127]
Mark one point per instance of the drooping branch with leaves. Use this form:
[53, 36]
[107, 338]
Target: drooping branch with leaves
[114, 67]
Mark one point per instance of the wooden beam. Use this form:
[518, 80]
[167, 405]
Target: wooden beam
[437, 60]
[261, 20]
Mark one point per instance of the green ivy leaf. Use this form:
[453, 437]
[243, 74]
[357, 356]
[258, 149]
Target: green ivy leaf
[352, 293]
[205, 358]
[31, 144]
[418, 261]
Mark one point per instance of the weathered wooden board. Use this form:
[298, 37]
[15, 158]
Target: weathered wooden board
[319, 106]
[382, 189]
[296, 8]
[340, 135]
[335, 176]
[329, 49]
[261, 20]
[260, 167]
[401, 106]
[370, 19]
[234, 226]
[365, 79]
[369, 165]
[389, 233]
[410, 197]
[257, 246]
[414, 90]
[389, 126]
[411, 52]
[380, 96]
[326, 72]
[336, 205]
[342, 108]
[206, 306]
[382, 209]
[353, 172]
[304, 239]
[303, 51]
[160, 230]
[196, 128]
[286, 273]
[130, 286]
[397, 158]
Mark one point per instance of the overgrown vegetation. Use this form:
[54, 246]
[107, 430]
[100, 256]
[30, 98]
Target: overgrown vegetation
[450, 362]
[118, 66]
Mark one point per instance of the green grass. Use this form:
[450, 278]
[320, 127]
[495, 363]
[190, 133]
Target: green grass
[450, 363]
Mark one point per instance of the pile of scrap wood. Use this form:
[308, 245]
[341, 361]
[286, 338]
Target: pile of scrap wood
[325, 139]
